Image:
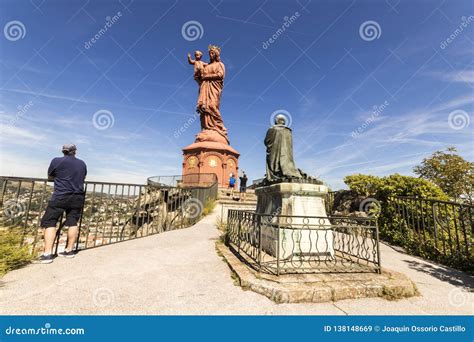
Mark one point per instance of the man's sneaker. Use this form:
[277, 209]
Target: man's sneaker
[45, 259]
[67, 254]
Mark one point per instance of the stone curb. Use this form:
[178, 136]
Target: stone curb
[390, 285]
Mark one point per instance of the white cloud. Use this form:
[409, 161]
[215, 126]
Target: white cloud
[20, 166]
[90, 101]
[460, 76]
[18, 134]
[377, 149]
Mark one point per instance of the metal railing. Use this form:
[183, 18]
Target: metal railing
[279, 244]
[438, 230]
[189, 180]
[204, 187]
[112, 212]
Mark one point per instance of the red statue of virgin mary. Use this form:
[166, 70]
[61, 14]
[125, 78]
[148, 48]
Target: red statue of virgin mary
[211, 83]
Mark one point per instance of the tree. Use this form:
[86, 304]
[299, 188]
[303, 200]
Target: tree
[451, 172]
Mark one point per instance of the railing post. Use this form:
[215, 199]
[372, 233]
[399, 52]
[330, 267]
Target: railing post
[89, 221]
[259, 224]
[379, 261]
[138, 209]
[79, 226]
[464, 229]
[182, 209]
[278, 246]
[37, 226]
[58, 235]
[27, 213]
[4, 189]
[239, 216]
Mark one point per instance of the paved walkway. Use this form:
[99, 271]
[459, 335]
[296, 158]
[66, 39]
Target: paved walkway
[179, 272]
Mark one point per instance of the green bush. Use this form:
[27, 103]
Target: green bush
[381, 188]
[414, 229]
[12, 256]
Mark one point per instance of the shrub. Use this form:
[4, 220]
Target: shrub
[410, 223]
[208, 208]
[382, 188]
[12, 256]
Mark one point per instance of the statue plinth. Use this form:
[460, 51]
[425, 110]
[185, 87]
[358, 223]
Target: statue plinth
[208, 135]
[300, 212]
[211, 157]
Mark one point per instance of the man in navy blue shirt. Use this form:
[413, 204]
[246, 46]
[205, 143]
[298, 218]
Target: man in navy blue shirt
[68, 174]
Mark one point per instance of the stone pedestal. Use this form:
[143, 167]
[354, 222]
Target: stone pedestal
[211, 157]
[293, 207]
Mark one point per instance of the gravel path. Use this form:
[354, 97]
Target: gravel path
[179, 272]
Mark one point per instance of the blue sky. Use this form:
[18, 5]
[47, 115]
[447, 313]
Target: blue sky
[375, 100]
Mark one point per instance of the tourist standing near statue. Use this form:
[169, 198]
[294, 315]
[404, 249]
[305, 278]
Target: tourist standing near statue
[68, 174]
[232, 184]
[243, 186]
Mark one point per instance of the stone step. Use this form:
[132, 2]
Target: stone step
[225, 189]
[236, 201]
[223, 207]
[236, 193]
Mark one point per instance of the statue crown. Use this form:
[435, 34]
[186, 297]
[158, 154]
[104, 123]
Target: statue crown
[214, 47]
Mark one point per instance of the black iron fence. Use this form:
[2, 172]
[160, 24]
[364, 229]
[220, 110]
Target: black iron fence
[112, 212]
[200, 180]
[279, 244]
[203, 186]
[438, 230]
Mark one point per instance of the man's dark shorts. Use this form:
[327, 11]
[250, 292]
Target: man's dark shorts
[69, 204]
[243, 189]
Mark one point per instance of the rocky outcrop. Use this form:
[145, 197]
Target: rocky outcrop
[347, 203]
